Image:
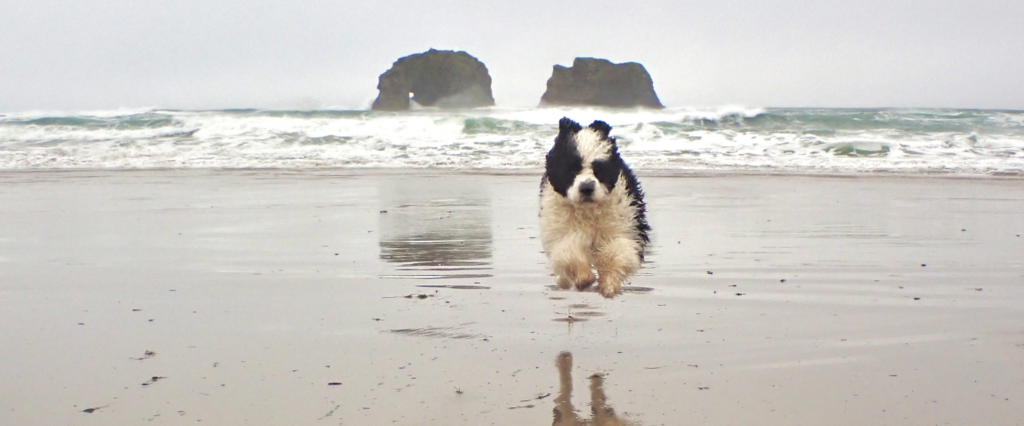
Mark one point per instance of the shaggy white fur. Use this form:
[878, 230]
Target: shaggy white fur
[597, 230]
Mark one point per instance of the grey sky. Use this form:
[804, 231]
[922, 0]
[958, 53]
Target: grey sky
[105, 54]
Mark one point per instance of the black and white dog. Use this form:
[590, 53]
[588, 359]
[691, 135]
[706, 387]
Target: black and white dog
[592, 212]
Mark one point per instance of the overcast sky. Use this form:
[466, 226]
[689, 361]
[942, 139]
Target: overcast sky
[200, 54]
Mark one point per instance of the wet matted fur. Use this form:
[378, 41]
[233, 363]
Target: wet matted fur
[592, 211]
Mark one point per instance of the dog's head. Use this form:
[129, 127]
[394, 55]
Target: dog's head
[584, 165]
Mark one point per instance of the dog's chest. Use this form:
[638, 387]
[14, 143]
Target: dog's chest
[595, 222]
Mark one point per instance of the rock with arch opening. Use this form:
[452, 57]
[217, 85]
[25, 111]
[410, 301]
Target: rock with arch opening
[435, 78]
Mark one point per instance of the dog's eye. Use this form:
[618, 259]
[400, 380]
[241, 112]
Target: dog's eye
[606, 172]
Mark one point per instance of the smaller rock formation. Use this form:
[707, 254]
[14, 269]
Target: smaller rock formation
[441, 78]
[598, 82]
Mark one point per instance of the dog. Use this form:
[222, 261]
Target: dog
[592, 211]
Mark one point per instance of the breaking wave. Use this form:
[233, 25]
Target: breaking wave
[728, 138]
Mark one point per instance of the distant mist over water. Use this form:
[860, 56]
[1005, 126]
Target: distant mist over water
[904, 141]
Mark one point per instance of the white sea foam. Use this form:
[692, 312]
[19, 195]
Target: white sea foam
[547, 116]
[726, 138]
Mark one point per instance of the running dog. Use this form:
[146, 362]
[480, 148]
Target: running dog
[592, 211]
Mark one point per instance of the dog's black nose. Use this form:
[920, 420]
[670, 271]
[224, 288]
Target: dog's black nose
[587, 188]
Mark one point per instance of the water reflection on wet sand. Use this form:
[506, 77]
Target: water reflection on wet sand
[565, 414]
[441, 233]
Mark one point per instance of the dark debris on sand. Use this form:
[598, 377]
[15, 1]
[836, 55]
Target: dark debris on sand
[94, 409]
[146, 355]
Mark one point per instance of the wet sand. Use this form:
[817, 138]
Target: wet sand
[422, 298]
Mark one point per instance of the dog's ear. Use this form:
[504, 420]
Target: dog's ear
[601, 127]
[567, 127]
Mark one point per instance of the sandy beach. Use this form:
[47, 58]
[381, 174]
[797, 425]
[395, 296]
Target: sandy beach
[422, 298]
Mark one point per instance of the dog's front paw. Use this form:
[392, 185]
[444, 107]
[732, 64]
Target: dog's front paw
[564, 282]
[585, 280]
[581, 279]
[609, 290]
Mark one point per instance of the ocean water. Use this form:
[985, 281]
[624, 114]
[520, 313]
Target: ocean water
[903, 141]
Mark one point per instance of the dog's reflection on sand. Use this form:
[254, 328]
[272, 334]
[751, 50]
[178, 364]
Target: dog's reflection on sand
[565, 414]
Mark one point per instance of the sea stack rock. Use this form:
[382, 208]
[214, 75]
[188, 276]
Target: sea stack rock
[598, 82]
[439, 78]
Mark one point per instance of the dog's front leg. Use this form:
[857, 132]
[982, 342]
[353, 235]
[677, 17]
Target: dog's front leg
[615, 261]
[571, 265]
